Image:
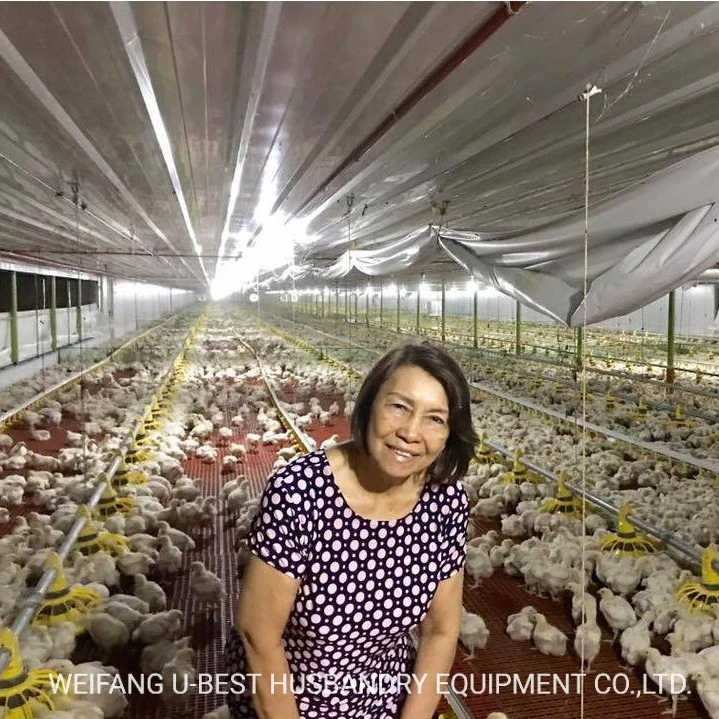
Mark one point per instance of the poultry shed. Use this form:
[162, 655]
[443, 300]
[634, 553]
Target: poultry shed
[216, 217]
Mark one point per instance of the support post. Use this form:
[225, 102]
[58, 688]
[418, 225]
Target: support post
[518, 328]
[670, 339]
[416, 319]
[381, 303]
[323, 303]
[475, 318]
[346, 307]
[53, 313]
[337, 300]
[398, 308]
[366, 308]
[356, 300]
[14, 342]
[580, 348]
[111, 305]
[444, 299]
[78, 311]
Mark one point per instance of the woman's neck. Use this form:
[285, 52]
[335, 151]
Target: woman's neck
[372, 479]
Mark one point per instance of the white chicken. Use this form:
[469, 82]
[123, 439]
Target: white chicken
[473, 632]
[205, 585]
[548, 639]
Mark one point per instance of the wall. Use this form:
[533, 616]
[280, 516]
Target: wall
[123, 308]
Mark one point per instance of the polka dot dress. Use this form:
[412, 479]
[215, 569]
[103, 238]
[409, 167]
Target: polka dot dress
[364, 585]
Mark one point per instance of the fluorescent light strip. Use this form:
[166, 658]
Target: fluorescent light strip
[125, 21]
[269, 28]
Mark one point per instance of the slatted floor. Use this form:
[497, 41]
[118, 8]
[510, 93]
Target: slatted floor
[502, 595]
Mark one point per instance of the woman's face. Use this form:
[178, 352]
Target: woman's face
[409, 422]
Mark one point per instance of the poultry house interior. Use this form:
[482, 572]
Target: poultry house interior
[216, 217]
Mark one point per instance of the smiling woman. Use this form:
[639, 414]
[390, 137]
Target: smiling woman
[355, 546]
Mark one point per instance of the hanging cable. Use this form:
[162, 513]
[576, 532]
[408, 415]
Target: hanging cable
[75, 187]
[589, 91]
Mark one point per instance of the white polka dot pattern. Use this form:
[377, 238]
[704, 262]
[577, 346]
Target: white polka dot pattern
[364, 583]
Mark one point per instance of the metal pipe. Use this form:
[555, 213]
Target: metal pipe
[518, 329]
[646, 446]
[425, 86]
[662, 535]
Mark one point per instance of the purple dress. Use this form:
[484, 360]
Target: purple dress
[364, 585]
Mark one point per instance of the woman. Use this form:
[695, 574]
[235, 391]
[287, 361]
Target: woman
[356, 545]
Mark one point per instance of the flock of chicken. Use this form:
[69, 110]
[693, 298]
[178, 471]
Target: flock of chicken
[222, 415]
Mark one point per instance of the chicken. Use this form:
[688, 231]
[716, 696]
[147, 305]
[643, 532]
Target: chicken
[616, 610]
[473, 632]
[548, 639]
[521, 625]
[150, 592]
[165, 625]
[155, 656]
[708, 690]
[169, 560]
[222, 712]
[178, 674]
[587, 643]
[205, 585]
[636, 640]
[106, 631]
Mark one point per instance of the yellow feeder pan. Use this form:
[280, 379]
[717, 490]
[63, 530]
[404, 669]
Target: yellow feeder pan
[110, 504]
[678, 418]
[484, 452]
[702, 596]
[564, 502]
[626, 540]
[92, 540]
[641, 412]
[609, 401]
[62, 603]
[19, 688]
[519, 473]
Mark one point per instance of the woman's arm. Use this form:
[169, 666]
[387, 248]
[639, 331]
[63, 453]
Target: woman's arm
[265, 604]
[439, 632]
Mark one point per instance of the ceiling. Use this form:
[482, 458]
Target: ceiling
[274, 114]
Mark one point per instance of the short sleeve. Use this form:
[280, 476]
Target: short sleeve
[455, 509]
[279, 535]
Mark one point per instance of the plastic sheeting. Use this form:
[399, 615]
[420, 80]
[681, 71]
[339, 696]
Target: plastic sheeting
[642, 243]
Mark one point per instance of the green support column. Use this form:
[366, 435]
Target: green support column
[337, 301]
[398, 308]
[670, 339]
[78, 311]
[14, 343]
[111, 305]
[475, 318]
[518, 328]
[366, 308]
[580, 348]
[346, 307]
[356, 300]
[323, 304]
[381, 302]
[444, 298]
[67, 314]
[416, 320]
[53, 313]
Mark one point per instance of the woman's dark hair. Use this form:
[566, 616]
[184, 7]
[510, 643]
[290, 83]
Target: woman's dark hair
[453, 463]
